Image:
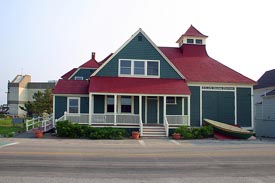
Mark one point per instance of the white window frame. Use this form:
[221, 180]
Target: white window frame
[78, 78]
[68, 104]
[132, 104]
[171, 103]
[133, 69]
[106, 104]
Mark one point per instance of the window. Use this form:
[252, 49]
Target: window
[171, 100]
[110, 104]
[78, 78]
[190, 41]
[73, 105]
[152, 68]
[198, 41]
[139, 68]
[126, 104]
[125, 66]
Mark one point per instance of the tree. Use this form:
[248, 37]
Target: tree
[42, 101]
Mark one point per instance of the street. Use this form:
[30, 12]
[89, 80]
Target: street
[145, 160]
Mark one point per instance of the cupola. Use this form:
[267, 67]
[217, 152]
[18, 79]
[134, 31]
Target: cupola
[192, 36]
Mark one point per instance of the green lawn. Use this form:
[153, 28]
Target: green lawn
[7, 129]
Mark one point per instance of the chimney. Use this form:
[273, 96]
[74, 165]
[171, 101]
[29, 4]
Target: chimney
[93, 55]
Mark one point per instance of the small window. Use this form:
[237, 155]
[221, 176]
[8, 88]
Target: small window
[78, 78]
[125, 66]
[110, 104]
[73, 106]
[152, 68]
[198, 41]
[126, 104]
[190, 41]
[171, 100]
[139, 67]
[139, 38]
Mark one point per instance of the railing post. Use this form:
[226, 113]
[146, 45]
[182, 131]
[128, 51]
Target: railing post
[27, 125]
[115, 109]
[65, 115]
[33, 123]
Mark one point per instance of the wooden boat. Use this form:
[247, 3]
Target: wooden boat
[229, 130]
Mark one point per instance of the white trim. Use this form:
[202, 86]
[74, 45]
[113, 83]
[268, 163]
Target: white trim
[201, 106]
[115, 109]
[175, 102]
[137, 94]
[150, 41]
[140, 106]
[240, 85]
[132, 68]
[71, 95]
[78, 78]
[189, 110]
[68, 104]
[164, 109]
[235, 106]
[252, 108]
[53, 111]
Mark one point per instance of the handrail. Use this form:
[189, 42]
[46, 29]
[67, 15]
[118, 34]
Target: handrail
[140, 126]
[41, 121]
[166, 125]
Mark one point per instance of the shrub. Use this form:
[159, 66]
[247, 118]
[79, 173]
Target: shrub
[71, 130]
[195, 133]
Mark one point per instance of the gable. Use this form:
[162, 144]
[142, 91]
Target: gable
[138, 48]
[83, 72]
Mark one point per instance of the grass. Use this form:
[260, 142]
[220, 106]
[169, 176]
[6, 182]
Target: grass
[7, 129]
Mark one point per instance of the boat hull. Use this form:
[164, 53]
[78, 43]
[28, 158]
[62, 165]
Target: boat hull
[228, 130]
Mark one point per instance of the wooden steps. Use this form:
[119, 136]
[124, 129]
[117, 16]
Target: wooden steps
[153, 131]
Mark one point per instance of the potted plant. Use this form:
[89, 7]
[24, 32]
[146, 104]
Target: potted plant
[176, 136]
[135, 134]
[38, 134]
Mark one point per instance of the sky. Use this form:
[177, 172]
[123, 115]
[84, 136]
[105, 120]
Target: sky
[47, 38]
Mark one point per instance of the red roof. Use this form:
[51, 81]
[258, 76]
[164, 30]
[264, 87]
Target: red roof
[68, 74]
[194, 63]
[71, 87]
[128, 85]
[192, 31]
[92, 63]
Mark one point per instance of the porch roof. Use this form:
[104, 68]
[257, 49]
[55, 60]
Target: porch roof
[71, 87]
[127, 85]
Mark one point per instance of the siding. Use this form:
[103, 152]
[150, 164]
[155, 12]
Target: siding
[99, 104]
[84, 105]
[175, 109]
[138, 50]
[244, 107]
[60, 106]
[219, 106]
[195, 106]
[85, 73]
[136, 105]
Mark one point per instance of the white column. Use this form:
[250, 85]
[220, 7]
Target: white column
[164, 108]
[115, 108]
[140, 107]
[53, 111]
[91, 108]
[235, 105]
[252, 108]
[189, 110]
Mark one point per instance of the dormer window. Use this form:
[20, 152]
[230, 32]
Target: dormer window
[198, 41]
[190, 41]
[78, 78]
[138, 68]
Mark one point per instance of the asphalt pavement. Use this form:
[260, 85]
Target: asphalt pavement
[146, 160]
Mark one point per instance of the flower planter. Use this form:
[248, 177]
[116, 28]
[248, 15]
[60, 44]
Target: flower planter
[176, 136]
[135, 135]
[38, 134]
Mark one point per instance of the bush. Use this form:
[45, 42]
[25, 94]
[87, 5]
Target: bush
[71, 130]
[195, 133]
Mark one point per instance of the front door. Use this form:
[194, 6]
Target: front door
[152, 110]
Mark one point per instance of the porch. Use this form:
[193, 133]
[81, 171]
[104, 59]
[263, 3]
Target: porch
[123, 120]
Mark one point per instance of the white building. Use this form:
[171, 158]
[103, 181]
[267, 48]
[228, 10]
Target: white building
[21, 90]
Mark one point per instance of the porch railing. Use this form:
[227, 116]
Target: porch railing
[108, 119]
[43, 123]
[166, 126]
[177, 119]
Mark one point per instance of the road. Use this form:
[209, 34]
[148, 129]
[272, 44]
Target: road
[146, 160]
